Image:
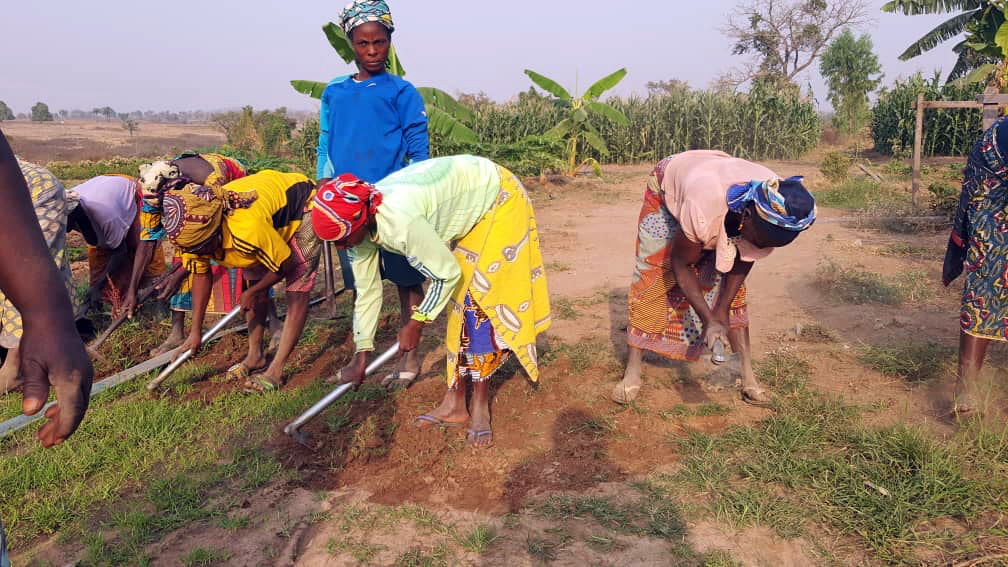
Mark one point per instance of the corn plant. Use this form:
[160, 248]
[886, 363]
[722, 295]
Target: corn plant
[575, 126]
[946, 131]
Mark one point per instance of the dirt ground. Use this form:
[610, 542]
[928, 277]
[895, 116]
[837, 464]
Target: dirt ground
[547, 436]
[76, 140]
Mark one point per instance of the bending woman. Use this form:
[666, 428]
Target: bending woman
[155, 179]
[493, 276]
[979, 239]
[706, 218]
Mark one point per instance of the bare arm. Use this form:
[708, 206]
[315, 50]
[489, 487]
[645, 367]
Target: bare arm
[144, 253]
[52, 354]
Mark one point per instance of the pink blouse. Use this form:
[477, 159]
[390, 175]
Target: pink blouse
[696, 193]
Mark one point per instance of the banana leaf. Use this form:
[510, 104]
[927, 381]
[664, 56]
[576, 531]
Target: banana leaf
[593, 138]
[607, 111]
[604, 84]
[562, 128]
[313, 89]
[444, 125]
[442, 100]
[549, 85]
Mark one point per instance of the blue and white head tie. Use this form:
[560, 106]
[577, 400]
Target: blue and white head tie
[363, 11]
[769, 203]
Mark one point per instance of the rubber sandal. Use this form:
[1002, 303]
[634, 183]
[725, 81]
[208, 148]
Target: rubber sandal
[398, 379]
[473, 436]
[240, 372]
[623, 395]
[755, 396]
[429, 421]
[259, 385]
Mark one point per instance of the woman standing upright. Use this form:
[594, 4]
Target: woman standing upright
[706, 218]
[373, 124]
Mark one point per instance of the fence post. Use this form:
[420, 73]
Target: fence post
[990, 107]
[918, 140]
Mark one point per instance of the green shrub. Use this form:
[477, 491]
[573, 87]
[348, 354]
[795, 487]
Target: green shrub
[835, 165]
[87, 169]
[943, 197]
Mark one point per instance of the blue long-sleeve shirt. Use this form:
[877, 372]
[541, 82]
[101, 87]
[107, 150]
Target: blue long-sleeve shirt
[370, 128]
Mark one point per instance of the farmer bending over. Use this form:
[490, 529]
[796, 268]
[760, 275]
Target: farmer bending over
[492, 278]
[262, 224]
[706, 218]
[155, 179]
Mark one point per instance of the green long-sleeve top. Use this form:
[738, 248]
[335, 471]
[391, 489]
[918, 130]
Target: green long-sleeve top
[425, 208]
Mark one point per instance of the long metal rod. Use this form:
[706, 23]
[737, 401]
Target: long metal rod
[332, 396]
[153, 384]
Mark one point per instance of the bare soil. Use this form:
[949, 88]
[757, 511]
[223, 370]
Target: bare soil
[43, 142]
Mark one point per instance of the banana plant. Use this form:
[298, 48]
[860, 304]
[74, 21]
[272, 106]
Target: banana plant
[445, 116]
[575, 127]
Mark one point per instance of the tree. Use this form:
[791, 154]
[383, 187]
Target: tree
[108, 112]
[671, 86]
[40, 113]
[5, 112]
[575, 126]
[852, 71]
[445, 117]
[982, 21]
[784, 37]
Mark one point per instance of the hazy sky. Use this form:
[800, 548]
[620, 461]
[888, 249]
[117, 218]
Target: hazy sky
[216, 54]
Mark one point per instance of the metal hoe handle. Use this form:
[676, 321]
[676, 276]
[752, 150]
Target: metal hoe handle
[332, 396]
[185, 356]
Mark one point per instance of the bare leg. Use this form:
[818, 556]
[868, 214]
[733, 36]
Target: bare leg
[752, 390]
[256, 320]
[972, 351]
[9, 380]
[297, 313]
[410, 297]
[275, 326]
[452, 409]
[175, 337]
[480, 434]
[627, 390]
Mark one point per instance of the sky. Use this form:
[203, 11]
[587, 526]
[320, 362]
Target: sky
[224, 54]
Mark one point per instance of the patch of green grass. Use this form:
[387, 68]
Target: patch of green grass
[76, 253]
[718, 558]
[364, 552]
[741, 508]
[233, 523]
[905, 249]
[201, 557]
[440, 556]
[600, 426]
[852, 285]
[122, 442]
[862, 194]
[541, 549]
[563, 308]
[311, 334]
[605, 544]
[705, 409]
[477, 540]
[581, 355]
[914, 362]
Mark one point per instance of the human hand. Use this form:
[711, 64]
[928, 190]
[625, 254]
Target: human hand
[191, 343]
[409, 335]
[53, 356]
[249, 299]
[715, 330]
[129, 303]
[170, 285]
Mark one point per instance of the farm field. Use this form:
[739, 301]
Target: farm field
[855, 464]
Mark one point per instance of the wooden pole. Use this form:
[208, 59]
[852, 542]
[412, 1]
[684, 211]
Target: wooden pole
[918, 140]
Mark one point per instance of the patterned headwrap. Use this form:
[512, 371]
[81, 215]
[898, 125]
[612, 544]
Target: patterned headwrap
[158, 177]
[342, 206]
[192, 214]
[776, 202]
[363, 11]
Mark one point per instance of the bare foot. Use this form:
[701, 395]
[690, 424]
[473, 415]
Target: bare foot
[172, 342]
[451, 411]
[627, 390]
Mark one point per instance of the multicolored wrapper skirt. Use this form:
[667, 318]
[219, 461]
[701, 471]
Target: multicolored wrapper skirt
[661, 320]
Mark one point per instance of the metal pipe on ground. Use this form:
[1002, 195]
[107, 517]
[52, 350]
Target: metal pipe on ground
[153, 384]
[293, 429]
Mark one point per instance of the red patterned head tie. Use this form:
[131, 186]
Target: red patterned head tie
[342, 206]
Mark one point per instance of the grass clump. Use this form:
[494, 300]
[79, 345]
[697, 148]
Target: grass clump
[861, 193]
[834, 166]
[563, 308]
[852, 285]
[201, 557]
[362, 551]
[416, 557]
[916, 362]
[477, 540]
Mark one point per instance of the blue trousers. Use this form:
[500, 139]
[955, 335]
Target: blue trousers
[4, 560]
